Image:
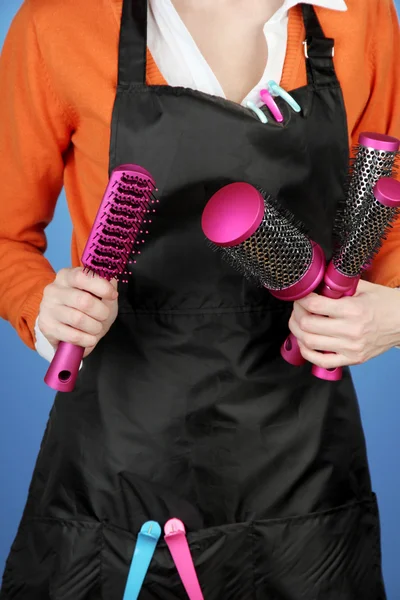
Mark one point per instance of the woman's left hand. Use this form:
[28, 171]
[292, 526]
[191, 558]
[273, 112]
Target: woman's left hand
[354, 328]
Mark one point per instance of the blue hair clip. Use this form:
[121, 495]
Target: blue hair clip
[145, 547]
[257, 111]
[276, 90]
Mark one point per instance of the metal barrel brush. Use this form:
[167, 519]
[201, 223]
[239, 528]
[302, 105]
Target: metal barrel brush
[262, 240]
[363, 239]
[374, 158]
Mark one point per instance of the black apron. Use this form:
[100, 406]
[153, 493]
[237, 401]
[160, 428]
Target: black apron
[186, 409]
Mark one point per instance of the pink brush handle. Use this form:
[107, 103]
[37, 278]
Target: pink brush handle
[335, 286]
[63, 370]
[175, 537]
[290, 350]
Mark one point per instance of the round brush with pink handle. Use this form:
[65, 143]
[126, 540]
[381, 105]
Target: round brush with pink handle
[263, 240]
[375, 157]
[362, 241]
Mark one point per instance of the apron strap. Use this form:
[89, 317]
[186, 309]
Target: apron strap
[318, 50]
[133, 43]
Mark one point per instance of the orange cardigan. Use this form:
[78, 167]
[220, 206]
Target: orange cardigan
[58, 74]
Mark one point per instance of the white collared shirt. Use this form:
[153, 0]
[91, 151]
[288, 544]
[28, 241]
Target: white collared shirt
[182, 64]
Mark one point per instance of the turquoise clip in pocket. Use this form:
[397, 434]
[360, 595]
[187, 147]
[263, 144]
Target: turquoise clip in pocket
[146, 543]
[277, 90]
[257, 111]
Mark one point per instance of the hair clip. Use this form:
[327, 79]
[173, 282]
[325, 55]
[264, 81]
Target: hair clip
[175, 538]
[257, 111]
[277, 90]
[268, 100]
[146, 543]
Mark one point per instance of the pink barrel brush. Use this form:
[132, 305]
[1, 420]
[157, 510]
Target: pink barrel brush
[375, 157]
[119, 227]
[362, 241]
[263, 241]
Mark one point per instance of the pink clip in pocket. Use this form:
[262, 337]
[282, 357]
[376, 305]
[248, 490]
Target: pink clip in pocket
[268, 100]
[175, 537]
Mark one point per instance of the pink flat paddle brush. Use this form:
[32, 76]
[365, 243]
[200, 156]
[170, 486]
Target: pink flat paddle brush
[119, 226]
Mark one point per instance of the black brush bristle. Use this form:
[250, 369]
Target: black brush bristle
[228, 256]
[121, 223]
[365, 236]
[283, 212]
[367, 166]
[278, 254]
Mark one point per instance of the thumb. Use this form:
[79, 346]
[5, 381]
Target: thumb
[364, 287]
[111, 303]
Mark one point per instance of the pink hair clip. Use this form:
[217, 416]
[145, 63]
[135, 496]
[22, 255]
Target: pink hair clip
[175, 537]
[268, 100]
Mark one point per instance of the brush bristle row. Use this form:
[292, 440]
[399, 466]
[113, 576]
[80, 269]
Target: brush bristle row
[278, 254]
[366, 168]
[365, 239]
[121, 224]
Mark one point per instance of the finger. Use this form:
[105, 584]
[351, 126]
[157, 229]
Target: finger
[88, 351]
[299, 311]
[84, 302]
[88, 282]
[355, 351]
[328, 307]
[326, 361]
[314, 341]
[319, 343]
[78, 320]
[325, 326]
[365, 287]
[63, 333]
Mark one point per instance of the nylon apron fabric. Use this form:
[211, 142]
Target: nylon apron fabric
[186, 409]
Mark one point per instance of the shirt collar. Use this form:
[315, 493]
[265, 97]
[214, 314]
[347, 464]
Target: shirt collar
[288, 4]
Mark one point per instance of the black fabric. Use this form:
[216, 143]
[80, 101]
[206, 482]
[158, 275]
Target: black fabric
[132, 43]
[186, 409]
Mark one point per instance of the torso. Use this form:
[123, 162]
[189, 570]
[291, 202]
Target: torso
[230, 36]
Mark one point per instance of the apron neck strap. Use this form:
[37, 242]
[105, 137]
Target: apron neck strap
[318, 48]
[133, 43]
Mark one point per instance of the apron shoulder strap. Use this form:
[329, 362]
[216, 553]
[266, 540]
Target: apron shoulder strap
[318, 49]
[133, 43]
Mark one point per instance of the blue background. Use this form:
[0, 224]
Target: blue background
[26, 401]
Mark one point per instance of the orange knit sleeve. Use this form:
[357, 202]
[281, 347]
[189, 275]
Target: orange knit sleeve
[35, 132]
[382, 114]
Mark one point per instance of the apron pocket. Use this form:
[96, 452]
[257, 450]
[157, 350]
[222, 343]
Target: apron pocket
[329, 555]
[222, 558]
[53, 559]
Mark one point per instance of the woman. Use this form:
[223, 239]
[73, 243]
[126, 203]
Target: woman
[184, 407]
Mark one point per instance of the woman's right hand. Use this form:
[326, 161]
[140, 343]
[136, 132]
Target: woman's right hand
[78, 308]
